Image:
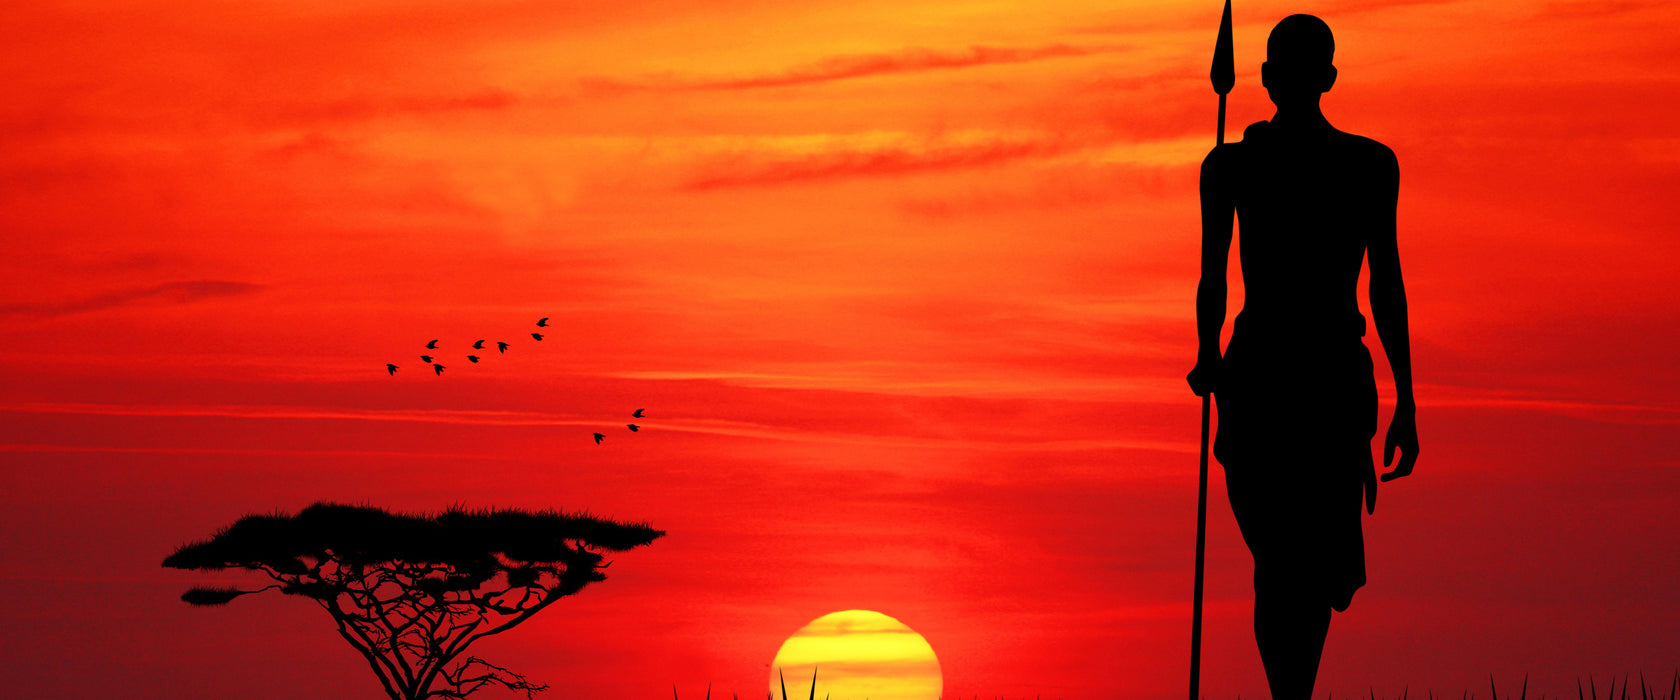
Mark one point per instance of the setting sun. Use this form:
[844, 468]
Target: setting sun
[858, 654]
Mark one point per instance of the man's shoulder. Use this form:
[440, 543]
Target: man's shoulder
[1364, 147]
[1368, 149]
[1257, 131]
[1223, 155]
[1258, 145]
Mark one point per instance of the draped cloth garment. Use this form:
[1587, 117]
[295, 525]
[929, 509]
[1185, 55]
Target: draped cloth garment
[1296, 418]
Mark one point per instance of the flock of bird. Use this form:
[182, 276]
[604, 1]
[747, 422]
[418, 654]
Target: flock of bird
[501, 348]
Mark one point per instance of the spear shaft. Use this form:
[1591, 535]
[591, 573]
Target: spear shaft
[1223, 75]
[1201, 556]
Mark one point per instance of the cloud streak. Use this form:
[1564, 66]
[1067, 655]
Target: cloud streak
[886, 161]
[382, 107]
[186, 292]
[831, 434]
[854, 66]
[34, 448]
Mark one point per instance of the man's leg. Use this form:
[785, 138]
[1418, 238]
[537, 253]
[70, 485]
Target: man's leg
[1290, 624]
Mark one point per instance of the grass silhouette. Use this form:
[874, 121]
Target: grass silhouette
[1588, 691]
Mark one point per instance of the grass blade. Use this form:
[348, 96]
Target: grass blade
[1524, 688]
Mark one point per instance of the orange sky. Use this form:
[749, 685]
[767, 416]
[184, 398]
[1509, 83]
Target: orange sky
[906, 288]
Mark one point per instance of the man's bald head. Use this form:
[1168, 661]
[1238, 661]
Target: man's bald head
[1301, 40]
[1298, 61]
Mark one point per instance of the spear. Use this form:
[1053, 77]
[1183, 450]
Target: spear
[1224, 76]
[1224, 71]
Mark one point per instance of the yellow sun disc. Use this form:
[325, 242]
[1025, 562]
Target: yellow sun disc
[857, 655]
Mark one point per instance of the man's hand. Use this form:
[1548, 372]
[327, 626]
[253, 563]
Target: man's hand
[1205, 377]
[1402, 436]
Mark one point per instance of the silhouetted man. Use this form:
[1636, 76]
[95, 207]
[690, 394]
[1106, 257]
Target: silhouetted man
[1297, 399]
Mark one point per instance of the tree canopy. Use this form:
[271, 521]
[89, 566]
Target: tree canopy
[411, 592]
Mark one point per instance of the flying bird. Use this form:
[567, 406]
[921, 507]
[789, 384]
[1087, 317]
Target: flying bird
[633, 427]
[538, 336]
[542, 321]
[599, 437]
[638, 413]
[432, 345]
[437, 368]
[501, 346]
[474, 358]
[478, 345]
[391, 368]
[426, 358]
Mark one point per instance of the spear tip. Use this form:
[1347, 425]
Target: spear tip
[1224, 72]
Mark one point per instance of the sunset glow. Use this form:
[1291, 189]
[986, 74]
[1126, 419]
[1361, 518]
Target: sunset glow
[906, 289]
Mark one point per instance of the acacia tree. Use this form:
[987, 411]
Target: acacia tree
[411, 593]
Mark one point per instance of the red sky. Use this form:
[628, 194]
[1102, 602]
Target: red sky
[906, 288]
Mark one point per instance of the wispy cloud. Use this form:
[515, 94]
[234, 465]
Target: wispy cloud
[1583, 10]
[459, 417]
[1129, 22]
[835, 434]
[1603, 411]
[889, 160]
[369, 107]
[34, 448]
[1347, 7]
[852, 66]
[185, 292]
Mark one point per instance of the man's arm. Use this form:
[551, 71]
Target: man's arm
[1218, 211]
[1388, 311]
